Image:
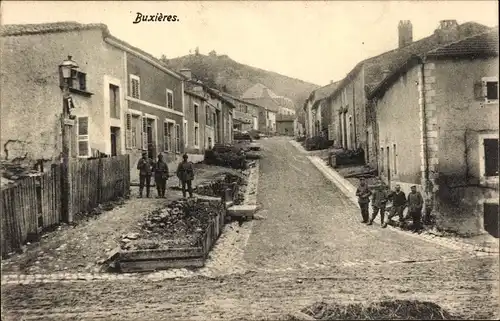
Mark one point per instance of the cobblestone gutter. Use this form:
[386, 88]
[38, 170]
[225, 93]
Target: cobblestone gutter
[350, 191]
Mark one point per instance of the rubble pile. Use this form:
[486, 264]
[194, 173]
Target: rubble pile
[182, 222]
[13, 171]
[217, 187]
[385, 310]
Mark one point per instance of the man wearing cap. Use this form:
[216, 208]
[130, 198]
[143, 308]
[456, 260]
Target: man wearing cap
[379, 200]
[185, 173]
[398, 198]
[145, 169]
[415, 204]
[363, 193]
[161, 176]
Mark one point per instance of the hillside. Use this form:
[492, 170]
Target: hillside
[237, 78]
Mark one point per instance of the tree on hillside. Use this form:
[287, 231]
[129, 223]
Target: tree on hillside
[197, 51]
[212, 53]
[164, 59]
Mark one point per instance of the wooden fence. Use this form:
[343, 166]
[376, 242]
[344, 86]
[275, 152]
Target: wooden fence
[34, 203]
[98, 181]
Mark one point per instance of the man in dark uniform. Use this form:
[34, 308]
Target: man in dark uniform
[398, 198]
[161, 176]
[144, 166]
[379, 200]
[363, 193]
[185, 173]
[415, 204]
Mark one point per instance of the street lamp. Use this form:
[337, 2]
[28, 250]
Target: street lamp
[66, 67]
[65, 74]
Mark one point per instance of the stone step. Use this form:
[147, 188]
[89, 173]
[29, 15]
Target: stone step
[242, 210]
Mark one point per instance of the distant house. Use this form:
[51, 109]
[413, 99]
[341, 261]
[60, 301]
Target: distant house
[353, 120]
[437, 120]
[245, 115]
[31, 97]
[286, 125]
[318, 110]
[273, 105]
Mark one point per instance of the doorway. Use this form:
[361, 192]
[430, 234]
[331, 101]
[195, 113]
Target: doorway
[491, 219]
[115, 140]
[388, 157]
[150, 136]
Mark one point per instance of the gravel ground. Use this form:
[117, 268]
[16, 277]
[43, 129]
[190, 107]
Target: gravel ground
[308, 247]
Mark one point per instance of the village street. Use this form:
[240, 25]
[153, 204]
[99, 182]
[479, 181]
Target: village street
[310, 246]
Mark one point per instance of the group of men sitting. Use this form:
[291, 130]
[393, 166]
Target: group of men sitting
[381, 196]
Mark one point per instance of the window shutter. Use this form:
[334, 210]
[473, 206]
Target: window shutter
[128, 131]
[144, 133]
[479, 90]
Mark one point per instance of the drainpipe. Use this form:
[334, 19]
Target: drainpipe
[424, 122]
[354, 116]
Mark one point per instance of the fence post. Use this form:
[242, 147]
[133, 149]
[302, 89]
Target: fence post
[99, 180]
[66, 179]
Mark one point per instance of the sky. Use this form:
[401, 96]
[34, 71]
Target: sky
[315, 41]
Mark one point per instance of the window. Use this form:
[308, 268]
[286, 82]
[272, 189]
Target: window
[394, 156]
[136, 123]
[208, 117]
[169, 139]
[135, 86]
[177, 138]
[489, 156]
[170, 99]
[78, 80]
[487, 90]
[114, 101]
[381, 160]
[185, 133]
[83, 137]
[195, 113]
[128, 131]
[196, 135]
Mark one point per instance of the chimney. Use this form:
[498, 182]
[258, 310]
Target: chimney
[405, 33]
[186, 72]
[447, 31]
[385, 73]
[331, 82]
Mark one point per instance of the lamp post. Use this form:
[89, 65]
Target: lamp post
[65, 75]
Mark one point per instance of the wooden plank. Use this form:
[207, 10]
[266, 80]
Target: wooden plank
[173, 253]
[152, 265]
[58, 193]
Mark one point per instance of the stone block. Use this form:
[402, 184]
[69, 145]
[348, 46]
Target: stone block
[429, 66]
[430, 93]
[433, 161]
[432, 133]
[431, 107]
[430, 80]
[428, 86]
[428, 73]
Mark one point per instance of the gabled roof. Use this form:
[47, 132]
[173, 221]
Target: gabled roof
[390, 61]
[324, 92]
[480, 45]
[68, 26]
[52, 27]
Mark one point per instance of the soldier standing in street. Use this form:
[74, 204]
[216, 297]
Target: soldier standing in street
[145, 168]
[398, 198]
[161, 176]
[415, 204]
[185, 173]
[379, 200]
[363, 193]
